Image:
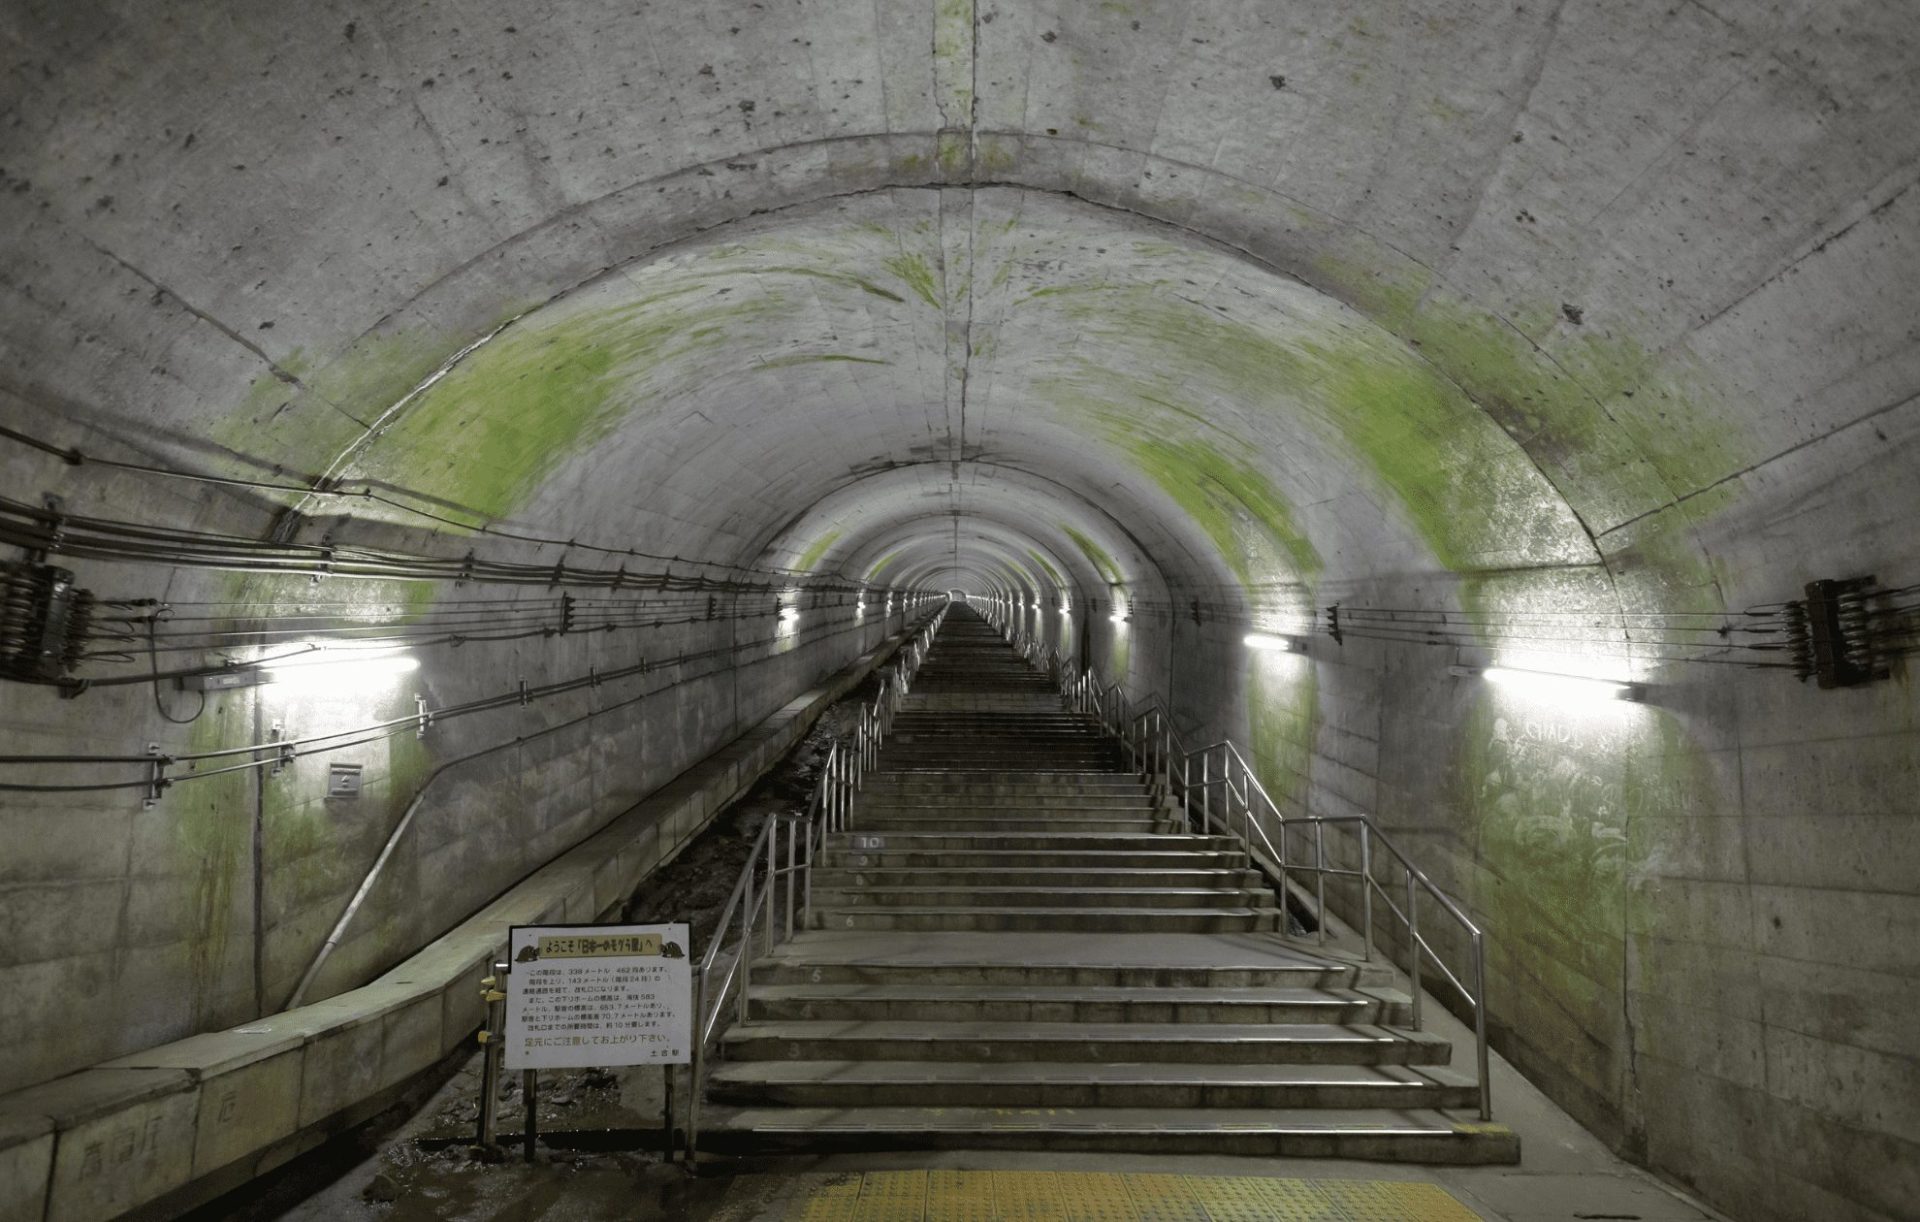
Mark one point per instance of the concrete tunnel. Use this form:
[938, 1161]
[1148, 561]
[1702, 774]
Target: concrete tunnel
[692, 351]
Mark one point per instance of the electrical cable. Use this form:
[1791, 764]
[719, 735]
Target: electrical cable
[153, 659]
[377, 731]
[74, 457]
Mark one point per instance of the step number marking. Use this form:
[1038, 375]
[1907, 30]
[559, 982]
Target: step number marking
[869, 842]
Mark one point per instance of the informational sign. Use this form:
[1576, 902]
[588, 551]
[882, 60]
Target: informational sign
[581, 996]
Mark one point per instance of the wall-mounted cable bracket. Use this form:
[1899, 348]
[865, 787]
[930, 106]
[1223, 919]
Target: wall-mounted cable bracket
[157, 781]
[1832, 633]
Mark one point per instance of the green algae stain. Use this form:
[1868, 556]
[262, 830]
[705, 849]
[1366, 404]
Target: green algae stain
[915, 273]
[491, 430]
[786, 269]
[818, 548]
[882, 565]
[1467, 489]
[1387, 294]
[953, 52]
[996, 157]
[1096, 555]
[813, 358]
[213, 834]
[1282, 716]
[1636, 449]
[952, 152]
[1053, 575]
[1238, 508]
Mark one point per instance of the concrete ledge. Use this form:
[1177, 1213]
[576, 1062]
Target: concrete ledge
[179, 1124]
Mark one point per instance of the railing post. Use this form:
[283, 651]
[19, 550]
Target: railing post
[1366, 891]
[1413, 946]
[1320, 879]
[1480, 1022]
[793, 867]
[699, 1059]
[1186, 790]
[746, 941]
[1206, 792]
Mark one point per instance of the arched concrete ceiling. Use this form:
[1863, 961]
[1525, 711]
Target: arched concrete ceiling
[1267, 294]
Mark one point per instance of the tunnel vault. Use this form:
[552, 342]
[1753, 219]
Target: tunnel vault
[1434, 337]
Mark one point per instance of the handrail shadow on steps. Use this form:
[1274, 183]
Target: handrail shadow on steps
[1156, 750]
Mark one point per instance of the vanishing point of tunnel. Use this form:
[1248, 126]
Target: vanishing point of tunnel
[1254, 520]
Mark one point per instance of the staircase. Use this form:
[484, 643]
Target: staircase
[1018, 947]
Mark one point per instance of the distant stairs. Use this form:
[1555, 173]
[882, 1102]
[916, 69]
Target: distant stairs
[1016, 947]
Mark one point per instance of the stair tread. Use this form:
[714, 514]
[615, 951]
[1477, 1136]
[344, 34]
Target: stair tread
[1150, 994]
[1076, 1072]
[839, 838]
[1046, 891]
[992, 813]
[1077, 911]
[1075, 948]
[1346, 1121]
[931, 1032]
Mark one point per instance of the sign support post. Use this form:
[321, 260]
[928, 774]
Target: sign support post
[530, 1086]
[591, 997]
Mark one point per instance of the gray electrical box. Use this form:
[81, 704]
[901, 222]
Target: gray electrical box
[343, 780]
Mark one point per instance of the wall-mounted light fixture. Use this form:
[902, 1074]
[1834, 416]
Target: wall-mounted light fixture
[1267, 640]
[318, 670]
[1553, 685]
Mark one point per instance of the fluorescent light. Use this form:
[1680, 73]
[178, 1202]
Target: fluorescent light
[1566, 687]
[319, 670]
[1264, 640]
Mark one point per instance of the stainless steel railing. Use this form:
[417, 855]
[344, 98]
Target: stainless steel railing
[726, 969]
[1231, 800]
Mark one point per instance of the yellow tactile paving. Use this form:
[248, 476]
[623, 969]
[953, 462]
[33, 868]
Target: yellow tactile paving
[831, 1198]
[1073, 1196]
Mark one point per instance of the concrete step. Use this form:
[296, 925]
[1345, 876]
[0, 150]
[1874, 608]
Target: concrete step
[1081, 862]
[1042, 897]
[924, 759]
[1140, 920]
[859, 839]
[1104, 1043]
[1401, 1136]
[938, 787]
[1171, 960]
[904, 1001]
[862, 843]
[994, 824]
[999, 804]
[944, 778]
[1046, 1084]
[834, 879]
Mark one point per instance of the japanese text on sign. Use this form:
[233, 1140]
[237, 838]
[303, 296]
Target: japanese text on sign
[581, 996]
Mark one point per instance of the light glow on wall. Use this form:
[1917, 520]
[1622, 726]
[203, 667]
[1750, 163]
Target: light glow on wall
[1554, 685]
[335, 669]
[1266, 640]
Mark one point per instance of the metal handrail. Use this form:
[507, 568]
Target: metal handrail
[829, 809]
[1155, 749]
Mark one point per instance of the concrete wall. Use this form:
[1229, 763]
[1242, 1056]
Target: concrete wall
[166, 1128]
[1485, 308]
[1702, 910]
[123, 927]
